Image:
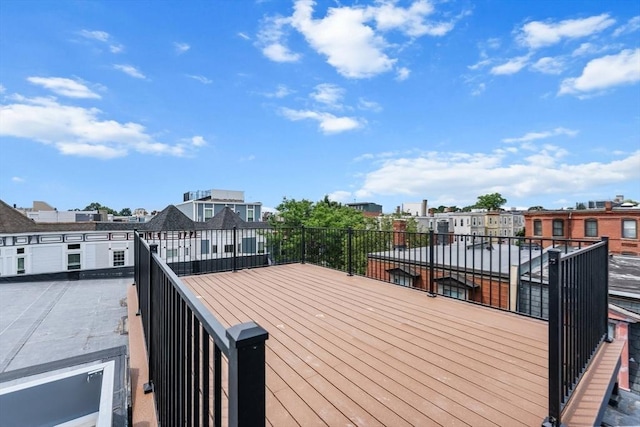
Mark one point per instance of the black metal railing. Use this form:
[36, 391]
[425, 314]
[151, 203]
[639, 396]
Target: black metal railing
[578, 316]
[508, 273]
[186, 346]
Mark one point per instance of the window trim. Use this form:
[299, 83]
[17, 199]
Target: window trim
[553, 227]
[74, 266]
[118, 262]
[635, 228]
[537, 231]
[587, 222]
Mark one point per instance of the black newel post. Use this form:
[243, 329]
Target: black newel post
[247, 390]
[555, 341]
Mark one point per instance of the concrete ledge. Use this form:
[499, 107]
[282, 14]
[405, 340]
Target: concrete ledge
[143, 405]
[589, 400]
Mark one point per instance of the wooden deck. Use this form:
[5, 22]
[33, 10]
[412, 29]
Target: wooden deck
[354, 351]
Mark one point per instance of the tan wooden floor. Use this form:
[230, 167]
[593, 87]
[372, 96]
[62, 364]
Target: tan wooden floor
[354, 351]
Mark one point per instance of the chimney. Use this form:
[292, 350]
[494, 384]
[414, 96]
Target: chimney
[607, 206]
[423, 210]
[399, 237]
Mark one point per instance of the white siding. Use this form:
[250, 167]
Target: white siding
[46, 259]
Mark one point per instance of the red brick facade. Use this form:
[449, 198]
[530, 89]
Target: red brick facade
[588, 224]
[491, 291]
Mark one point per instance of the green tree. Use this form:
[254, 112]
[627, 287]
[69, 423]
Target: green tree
[580, 206]
[125, 212]
[95, 206]
[492, 202]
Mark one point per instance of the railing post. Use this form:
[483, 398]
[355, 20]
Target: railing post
[605, 316]
[432, 269]
[148, 387]
[303, 248]
[235, 249]
[247, 389]
[349, 251]
[555, 340]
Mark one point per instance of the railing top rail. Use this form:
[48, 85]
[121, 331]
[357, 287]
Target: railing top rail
[578, 252]
[213, 327]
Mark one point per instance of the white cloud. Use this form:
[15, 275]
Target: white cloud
[479, 89]
[17, 179]
[512, 66]
[328, 123]
[352, 38]
[271, 40]
[402, 74]
[244, 36]
[532, 136]
[249, 158]
[605, 72]
[480, 64]
[181, 47]
[64, 87]
[2, 89]
[130, 70]
[201, 79]
[537, 34]
[549, 65]
[281, 91]
[365, 104]
[443, 173]
[102, 36]
[341, 196]
[631, 26]
[198, 141]
[78, 131]
[328, 94]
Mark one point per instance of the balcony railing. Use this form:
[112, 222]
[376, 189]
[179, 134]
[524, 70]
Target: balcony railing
[180, 335]
[564, 281]
[578, 313]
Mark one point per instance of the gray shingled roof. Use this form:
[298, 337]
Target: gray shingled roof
[226, 219]
[12, 221]
[170, 218]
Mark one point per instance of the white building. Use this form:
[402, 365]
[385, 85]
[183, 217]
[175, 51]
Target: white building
[200, 206]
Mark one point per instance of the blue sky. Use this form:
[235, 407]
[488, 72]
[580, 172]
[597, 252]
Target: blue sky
[131, 104]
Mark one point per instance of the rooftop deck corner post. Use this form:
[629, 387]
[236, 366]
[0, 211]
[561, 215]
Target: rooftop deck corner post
[555, 341]
[350, 251]
[247, 370]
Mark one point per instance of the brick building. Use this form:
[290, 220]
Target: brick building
[620, 224]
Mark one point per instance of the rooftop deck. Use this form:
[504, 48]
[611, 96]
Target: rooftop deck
[347, 350]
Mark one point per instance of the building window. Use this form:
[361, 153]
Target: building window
[537, 227]
[591, 228]
[214, 249]
[629, 229]
[21, 265]
[558, 228]
[73, 261]
[457, 292]
[172, 253]
[260, 247]
[402, 280]
[208, 213]
[250, 214]
[204, 247]
[474, 221]
[20, 250]
[228, 248]
[118, 258]
[73, 246]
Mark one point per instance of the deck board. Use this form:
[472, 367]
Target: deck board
[348, 350]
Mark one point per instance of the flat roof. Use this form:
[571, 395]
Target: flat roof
[47, 321]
